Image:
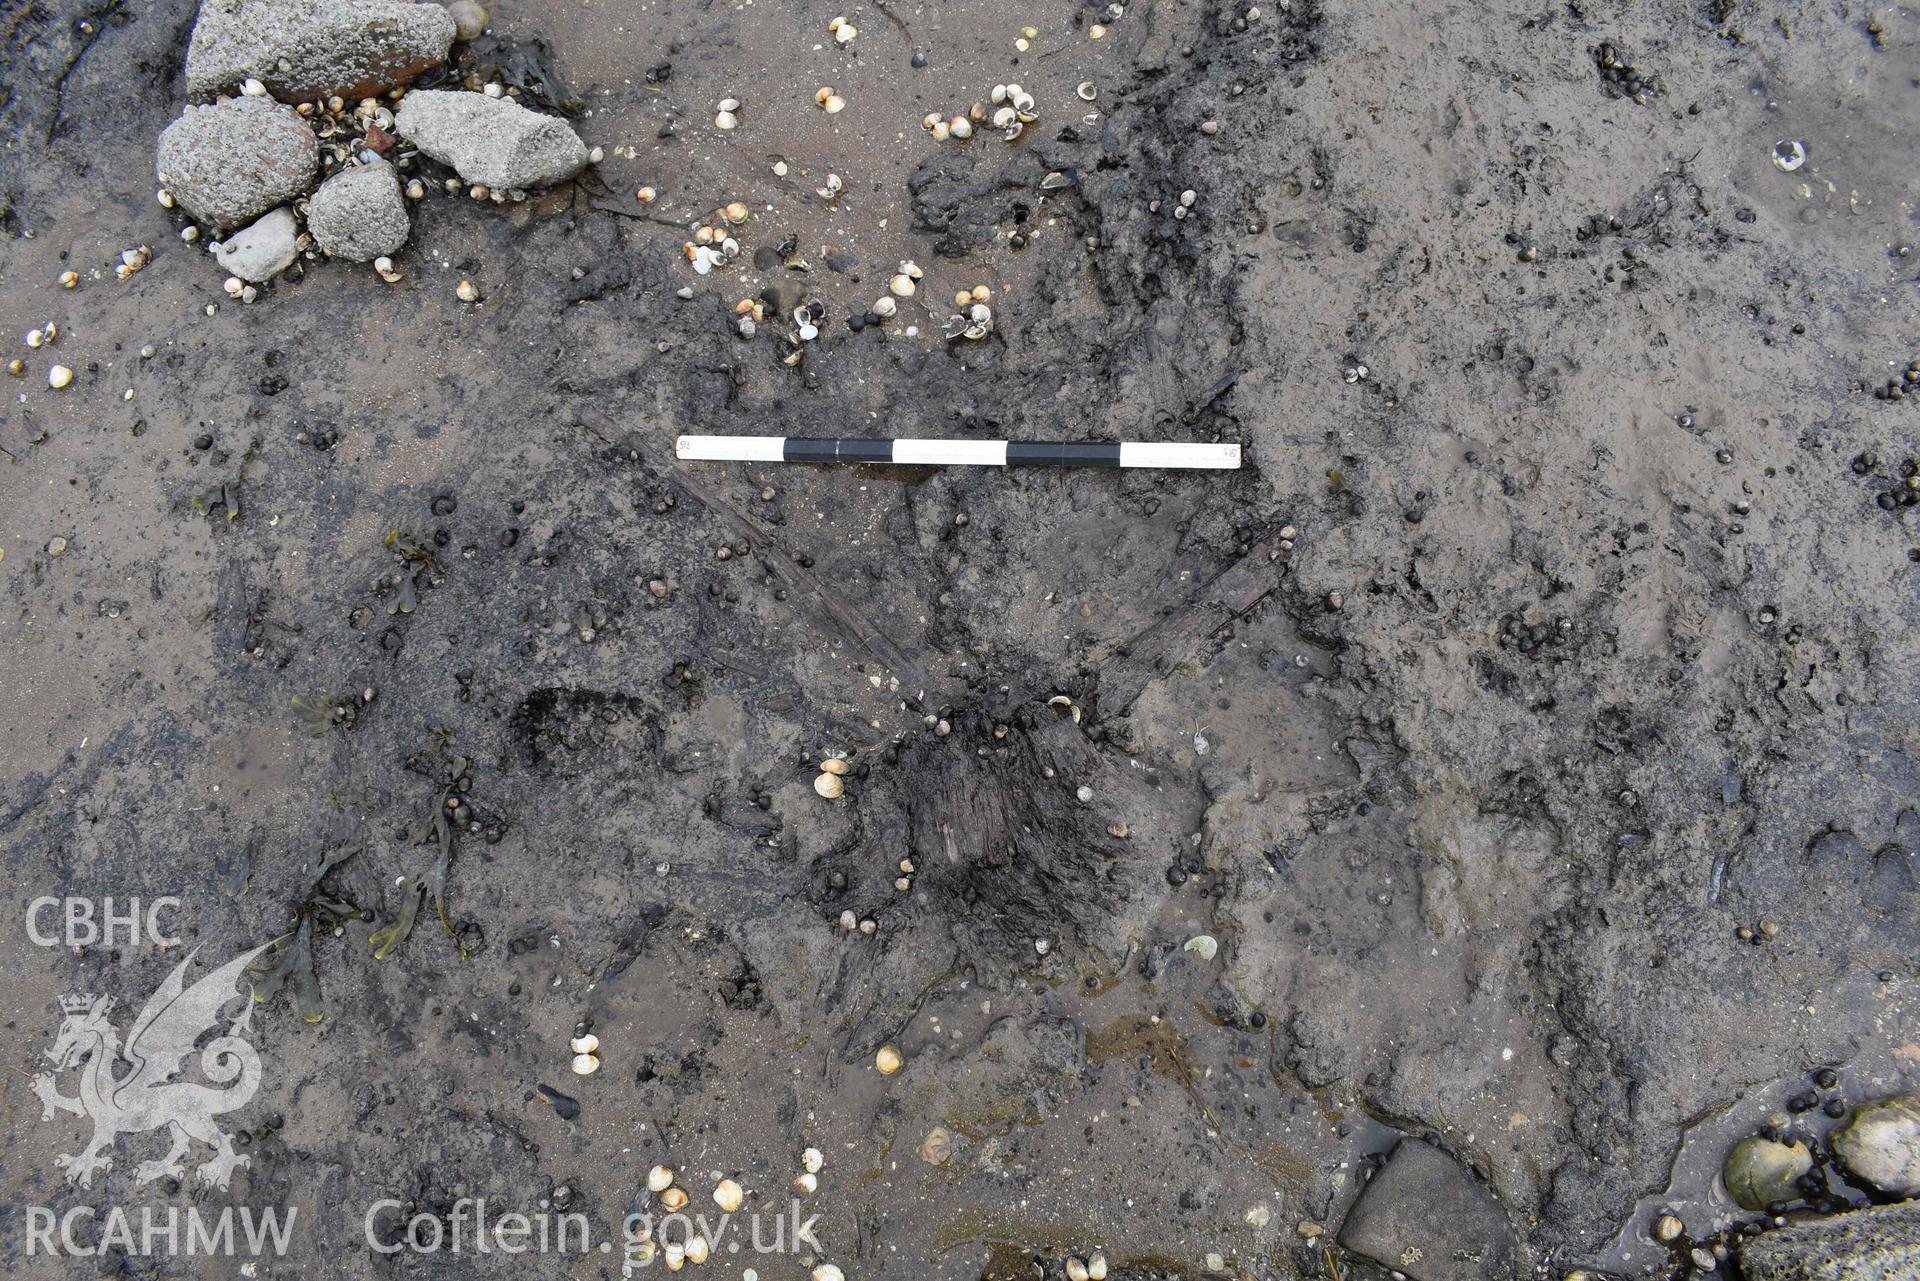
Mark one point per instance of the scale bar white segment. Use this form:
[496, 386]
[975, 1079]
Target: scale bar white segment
[1180, 454]
[731, 449]
[951, 453]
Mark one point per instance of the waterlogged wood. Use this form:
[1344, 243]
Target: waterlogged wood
[1181, 635]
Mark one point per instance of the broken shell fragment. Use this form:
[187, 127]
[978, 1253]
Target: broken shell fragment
[888, 1060]
[659, 1178]
[1056, 180]
[829, 786]
[1087, 91]
[937, 1147]
[728, 1196]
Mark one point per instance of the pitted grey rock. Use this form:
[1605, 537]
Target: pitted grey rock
[359, 213]
[309, 49]
[494, 141]
[228, 164]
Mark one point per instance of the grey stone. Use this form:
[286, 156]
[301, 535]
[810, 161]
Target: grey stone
[494, 141]
[230, 163]
[1880, 1144]
[1880, 1244]
[262, 249]
[469, 19]
[1760, 1171]
[1425, 1215]
[309, 49]
[359, 213]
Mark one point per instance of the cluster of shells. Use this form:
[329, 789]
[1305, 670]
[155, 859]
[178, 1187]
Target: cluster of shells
[131, 260]
[1091, 1268]
[828, 782]
[346, 129]
[663, 1184]
[713, 244]
[727, 1194]
[974, 319]
[1011, 112]
[807, 1182]
[58, 376]
[586, 1054]
[807, 319]
[904, 284]
[1183, 209]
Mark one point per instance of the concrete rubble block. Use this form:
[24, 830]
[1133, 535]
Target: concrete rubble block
[359, 213]
[310, 49]
[492, 141]
[228, 164]
[1878, 1244]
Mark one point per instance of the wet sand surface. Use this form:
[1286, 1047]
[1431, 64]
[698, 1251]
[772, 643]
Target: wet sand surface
[1551, 636]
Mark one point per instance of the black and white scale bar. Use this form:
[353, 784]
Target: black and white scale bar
[947, 453]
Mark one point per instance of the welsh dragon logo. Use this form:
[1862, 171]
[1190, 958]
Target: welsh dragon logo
[146, 1097]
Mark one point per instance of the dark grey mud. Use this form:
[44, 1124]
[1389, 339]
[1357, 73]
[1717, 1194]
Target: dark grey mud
[1589, 648]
